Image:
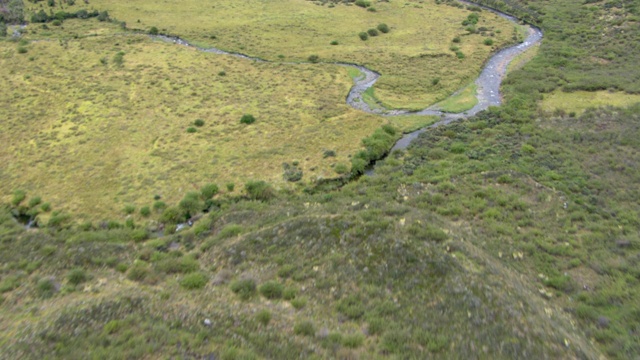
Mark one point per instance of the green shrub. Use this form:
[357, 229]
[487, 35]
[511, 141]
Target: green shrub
[334, 42]
[208, 191]
[363, 3]
[194, 281]
[313, 58]
[272, 290]
[383, 28]
[56, 22]
[341, 168]
[222, 73]
[153, 31]
[103, 16]
[77, 276]
[259, 190]
[372, 32]
[299, 302]
[263, 317]
[488, 42]
[459, 54]
[363, 36]
[353, 341]
[191, 130]
[247, 119]
[230, 187]
[9, 283]
[159, 205]
[456, 39]
[145, 211]
[198, 123]
[46, 207]
[289, 294]
[129, 209]
[46, 287]
[138, 272]
[244, 288]
[33, 202]
[305, 328]
[18, 197]
[191, 204]
[351, 307]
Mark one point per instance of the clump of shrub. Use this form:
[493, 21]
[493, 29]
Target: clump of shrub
[299, 302]
[263, 317]
[46, 287]
[488, 42]
[198, 123]
[372, 32]
[313, 58]
[291, 172]
[363, 36]
[383, 28]
[305, 328]
[76, 276]
[191, 130]
[259, 190]
[247, 119]
[145, 211]
[154, 31]
[245, 289]
[194, 281]
[363, 3]
[351, 307]
[334, 42]
[272, 290]
[138, 272]
[208, 191]
[129, 209]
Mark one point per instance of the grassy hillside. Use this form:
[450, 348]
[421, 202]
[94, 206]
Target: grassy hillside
[513, 234]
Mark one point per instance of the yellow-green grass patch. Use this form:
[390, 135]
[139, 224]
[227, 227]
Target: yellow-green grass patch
[90, 136]
[579, 101]
[520, 60]
[409, 123]
[461, 101]
[415, 51]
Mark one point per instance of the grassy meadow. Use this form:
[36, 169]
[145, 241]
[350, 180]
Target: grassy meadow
[91, 133]
[416, 50]
[578, 101]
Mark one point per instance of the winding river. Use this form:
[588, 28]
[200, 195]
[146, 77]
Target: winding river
[488, 83]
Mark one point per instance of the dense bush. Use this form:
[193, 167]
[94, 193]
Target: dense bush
[363, 36]
[194, 281]
[76, 276]
[372, 32]
[154, 31]
[244, 288]
[383, 28]
[272, 290]
[247, 119]
[259, 190]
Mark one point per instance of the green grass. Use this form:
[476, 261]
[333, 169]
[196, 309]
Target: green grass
[579, 101]
[412, 53]
[462, 100]
[107, 135]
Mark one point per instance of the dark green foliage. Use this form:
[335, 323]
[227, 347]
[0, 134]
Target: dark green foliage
[154, 31]
[363, 36]
[129, 209]
[103, 16]
[272, 290]
[3, 29]
[208, 191]
[372, 32]
[456, 39]
[9, 283]
[230, 187]
[305, 328]
[244, 288]
[145, 211]
[363, 3]
[383, 28]
[191, 204]
[194, 281]
[334, 42]
[488, 41]
[118, 58]
[313, 58]
[198, 122]
[247, 119]
[191, 130]
[76, 276]
[299, 302]
[259, 190]
[289, 294]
